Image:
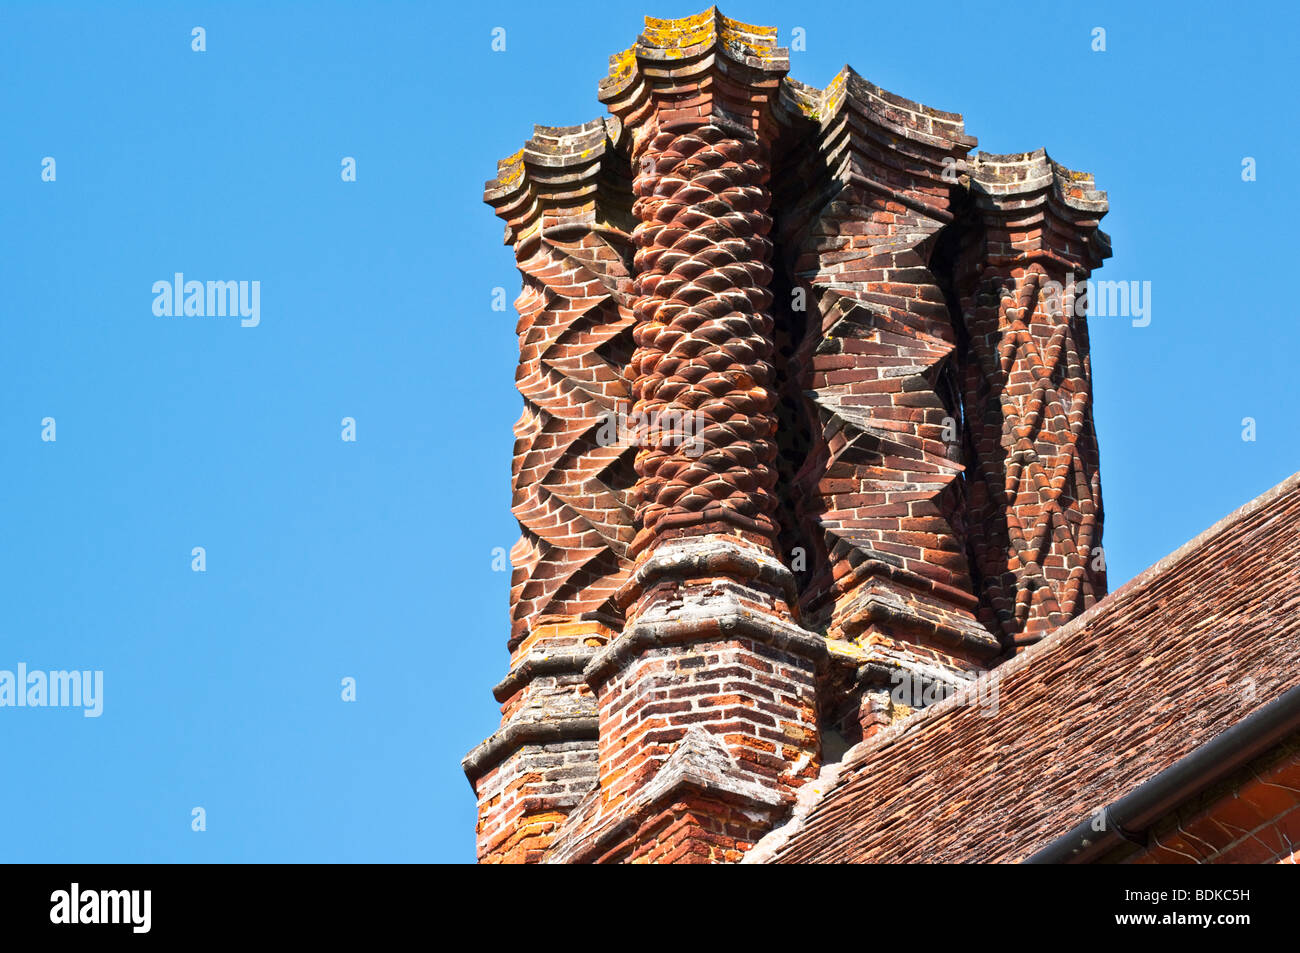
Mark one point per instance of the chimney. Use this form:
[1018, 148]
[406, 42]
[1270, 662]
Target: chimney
[807, 441]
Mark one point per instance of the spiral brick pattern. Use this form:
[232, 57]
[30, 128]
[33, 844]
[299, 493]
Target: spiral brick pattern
[703, 331]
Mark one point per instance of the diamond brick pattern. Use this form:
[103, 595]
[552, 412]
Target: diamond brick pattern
[1035, 485]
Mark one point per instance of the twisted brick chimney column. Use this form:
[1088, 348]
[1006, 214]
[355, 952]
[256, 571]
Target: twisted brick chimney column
[880, 491]
[1035, 482]
[703, 336]
[706, 700]
[564, 198]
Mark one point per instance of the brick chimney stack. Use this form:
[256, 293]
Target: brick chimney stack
[807, 441]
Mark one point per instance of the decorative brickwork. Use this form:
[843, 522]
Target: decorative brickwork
[1035, 487]
[560, 196]
[880, 490]
[564, 199]
[704, 338]
[853, 466]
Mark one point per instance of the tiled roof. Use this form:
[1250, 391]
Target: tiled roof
[1184, 651]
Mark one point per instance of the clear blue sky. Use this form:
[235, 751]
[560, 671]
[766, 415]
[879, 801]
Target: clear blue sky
[372, 559]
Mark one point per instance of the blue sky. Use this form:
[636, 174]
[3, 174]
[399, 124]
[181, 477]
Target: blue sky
[372, 559]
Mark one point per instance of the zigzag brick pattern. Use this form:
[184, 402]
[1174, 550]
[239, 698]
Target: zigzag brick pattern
[562, 200]
[576, 525]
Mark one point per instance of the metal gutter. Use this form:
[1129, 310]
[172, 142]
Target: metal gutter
[1130, 817]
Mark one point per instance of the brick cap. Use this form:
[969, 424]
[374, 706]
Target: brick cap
[558, 166]
[666, 43]
[849, 92]
[711, 52]
[1000, 180]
